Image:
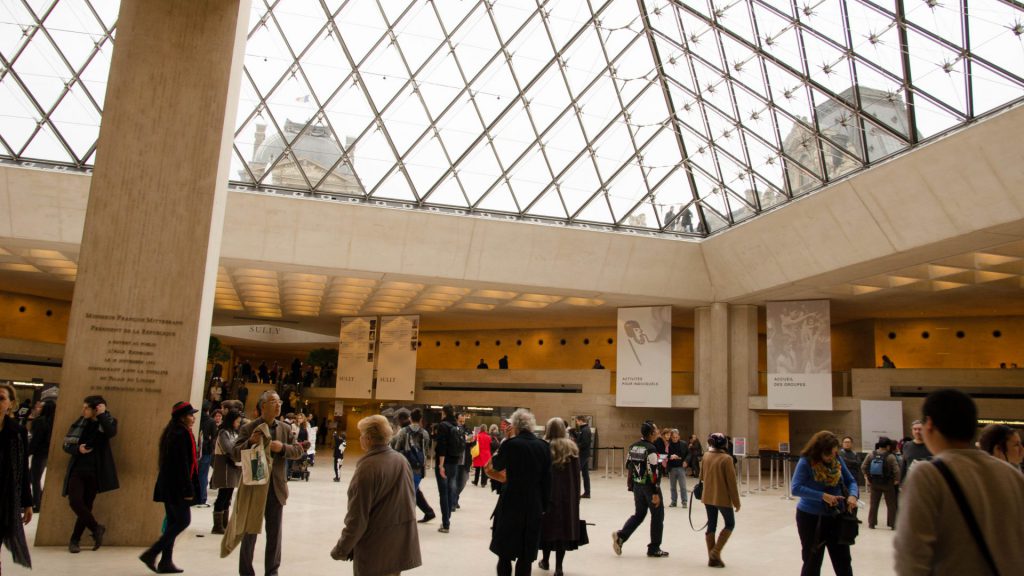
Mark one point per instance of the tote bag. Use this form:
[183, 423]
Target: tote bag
[255, 467]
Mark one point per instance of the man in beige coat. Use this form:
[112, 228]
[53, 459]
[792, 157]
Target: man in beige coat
[280, 447]
[380, 534]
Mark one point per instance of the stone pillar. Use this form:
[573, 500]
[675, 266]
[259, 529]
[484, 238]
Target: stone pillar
[140, 318]
[711, 362]
[743, 422]
[725, 348]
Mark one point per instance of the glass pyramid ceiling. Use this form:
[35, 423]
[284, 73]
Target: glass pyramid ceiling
[674, 117]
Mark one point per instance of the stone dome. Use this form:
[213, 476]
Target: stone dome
[314, 145]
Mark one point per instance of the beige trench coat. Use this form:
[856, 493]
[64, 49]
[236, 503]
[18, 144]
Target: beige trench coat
[380, 527]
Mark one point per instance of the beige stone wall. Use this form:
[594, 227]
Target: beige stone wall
[853, 345]
[615, 426]
[943, 349]
[530, 354]
[25, 317]
[875, 384]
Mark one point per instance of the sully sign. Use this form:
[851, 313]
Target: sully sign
[272, 334]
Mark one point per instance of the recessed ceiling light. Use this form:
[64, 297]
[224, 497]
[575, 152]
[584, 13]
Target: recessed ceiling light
[495, 294]
[549, 298]
[50, 254]
[401, 286]
[354, 282]
[433, 302]
[14, 267]
[50, 263]
[448, 290]
[527, 304]
[574, 301]
[475, 306]
[256, 273]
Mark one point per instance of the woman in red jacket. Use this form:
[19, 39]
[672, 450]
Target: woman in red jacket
[483, 441]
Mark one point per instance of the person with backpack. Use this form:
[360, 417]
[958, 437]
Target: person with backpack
[339, 453]
[451, 444]
[882, 472]
[643, 477]
[412, 442]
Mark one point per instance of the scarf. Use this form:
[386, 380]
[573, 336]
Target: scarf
[193, 469]
[827, 473]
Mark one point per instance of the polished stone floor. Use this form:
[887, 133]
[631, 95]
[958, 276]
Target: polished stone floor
[765, 541]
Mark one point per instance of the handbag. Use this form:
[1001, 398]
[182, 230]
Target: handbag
[847, 526]
[475, 450]
[255, 468]
[698, 491]
[584, 538]
[965, 509]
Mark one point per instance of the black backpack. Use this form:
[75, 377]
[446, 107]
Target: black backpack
[456, 440]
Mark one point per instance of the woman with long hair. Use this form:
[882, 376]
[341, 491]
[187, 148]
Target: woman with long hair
[177, 485]
[39, 448]
[483, 440]
[824, 485]
[1002, 442]
[721, 495]
[226, 472]
[15, 483]
[560, 529]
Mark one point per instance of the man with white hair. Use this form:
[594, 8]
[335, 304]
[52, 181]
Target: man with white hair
[524, 464]
[281, 445]
[381, 514]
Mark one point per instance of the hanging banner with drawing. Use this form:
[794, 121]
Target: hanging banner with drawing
[644, 355]
[799, 355]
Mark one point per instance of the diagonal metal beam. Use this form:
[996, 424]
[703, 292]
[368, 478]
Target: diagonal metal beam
[669, 105]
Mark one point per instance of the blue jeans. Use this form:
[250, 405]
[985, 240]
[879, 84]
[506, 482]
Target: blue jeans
[677, 477]
[447, 489]
[727, 515]
[204, 477]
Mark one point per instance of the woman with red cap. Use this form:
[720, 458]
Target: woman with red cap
[177, 485]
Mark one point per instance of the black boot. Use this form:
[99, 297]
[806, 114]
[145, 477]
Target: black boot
[167, 564]
[149, 559]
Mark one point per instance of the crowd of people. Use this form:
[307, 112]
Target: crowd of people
[946, 498]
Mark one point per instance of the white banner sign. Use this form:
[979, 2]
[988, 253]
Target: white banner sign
[356, 354]
[644, 355]
[396, 367]
[799, 355]
[273, 334]
[880, 418]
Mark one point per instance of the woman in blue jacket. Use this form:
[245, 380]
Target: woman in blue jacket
[819, 481]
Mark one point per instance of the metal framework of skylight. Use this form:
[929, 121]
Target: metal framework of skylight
[666, 116]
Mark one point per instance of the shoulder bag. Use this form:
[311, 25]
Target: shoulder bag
[698, 492]
[848, 525]
[965, 509]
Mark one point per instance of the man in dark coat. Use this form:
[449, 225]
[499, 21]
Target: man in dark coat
[584, 439]
[91, 470]
[524, 464]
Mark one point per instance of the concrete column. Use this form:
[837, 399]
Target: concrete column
[711, 349]
[140, 318]
[743, 422]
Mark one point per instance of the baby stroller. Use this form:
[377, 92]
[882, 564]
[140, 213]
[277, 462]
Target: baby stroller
[299, 469]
